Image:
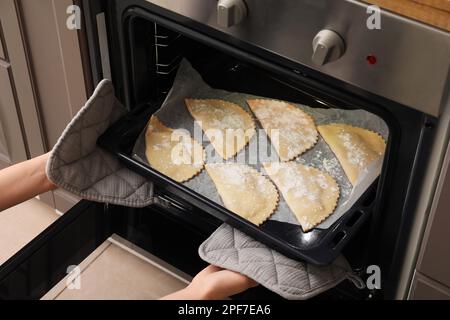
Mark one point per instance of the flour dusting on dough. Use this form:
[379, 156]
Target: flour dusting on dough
[173, 152]
[291, 130]
[244, 190]
[228, 127]
[354, 147]
[311, 194]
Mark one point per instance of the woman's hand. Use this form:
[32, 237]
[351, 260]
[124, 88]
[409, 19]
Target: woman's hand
[213, 283]
[24, 181]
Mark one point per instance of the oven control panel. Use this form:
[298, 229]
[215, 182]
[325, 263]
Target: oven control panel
[372, 49]
[328, 46]
[231, 12]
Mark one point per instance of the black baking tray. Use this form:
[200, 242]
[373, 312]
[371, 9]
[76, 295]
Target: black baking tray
[318, 246]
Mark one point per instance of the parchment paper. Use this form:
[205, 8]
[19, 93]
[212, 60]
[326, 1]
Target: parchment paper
[174, 114]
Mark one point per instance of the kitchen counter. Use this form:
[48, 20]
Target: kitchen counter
[432, 12]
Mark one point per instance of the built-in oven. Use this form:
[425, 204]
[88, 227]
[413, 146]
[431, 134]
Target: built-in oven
[322, 53]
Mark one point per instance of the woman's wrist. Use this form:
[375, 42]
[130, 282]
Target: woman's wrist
[195, 293]
[204, 292]
[41, 174]
[187, 293]
[24, 181]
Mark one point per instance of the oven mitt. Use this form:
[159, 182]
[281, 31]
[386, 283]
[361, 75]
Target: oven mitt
[231, 249]
[79, 166]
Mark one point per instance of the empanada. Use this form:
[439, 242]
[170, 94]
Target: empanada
[354, 147]
[311, 194]
[173, 152]
[291, 130]
[244, 190]
[228, 127]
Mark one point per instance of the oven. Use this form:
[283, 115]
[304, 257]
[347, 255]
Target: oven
[266, 48]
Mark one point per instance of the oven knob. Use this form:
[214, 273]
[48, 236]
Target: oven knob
[328, 46]
[231, 12]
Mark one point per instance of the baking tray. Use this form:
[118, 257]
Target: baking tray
[319, 246]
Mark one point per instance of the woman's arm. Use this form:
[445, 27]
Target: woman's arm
[213, 283]
[23, 181]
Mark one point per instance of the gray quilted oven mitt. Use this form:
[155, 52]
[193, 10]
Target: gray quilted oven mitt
[77, 165]
[231, 249]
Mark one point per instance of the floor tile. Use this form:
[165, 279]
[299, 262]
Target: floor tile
[21, 224]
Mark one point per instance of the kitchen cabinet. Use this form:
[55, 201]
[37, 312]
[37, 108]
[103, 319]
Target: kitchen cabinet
[424, 288]
[433, 12]
[434, 258]
[56, 64]
[41, 82]
[12, 147]
[17, 104]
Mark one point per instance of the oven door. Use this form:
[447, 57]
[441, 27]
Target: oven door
[38, 267]
[43, 262]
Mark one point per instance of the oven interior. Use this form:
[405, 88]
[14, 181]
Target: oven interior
[156, 52]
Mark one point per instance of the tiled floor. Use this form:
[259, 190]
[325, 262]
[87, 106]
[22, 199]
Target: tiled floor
[21, 224]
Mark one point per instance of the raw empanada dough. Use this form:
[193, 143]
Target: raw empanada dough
[311, 194]
[244, 190]
[173, 152]
[354, 147]
[228, 127]
[291, 130]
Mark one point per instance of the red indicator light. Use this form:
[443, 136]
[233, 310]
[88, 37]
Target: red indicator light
[371, 59]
